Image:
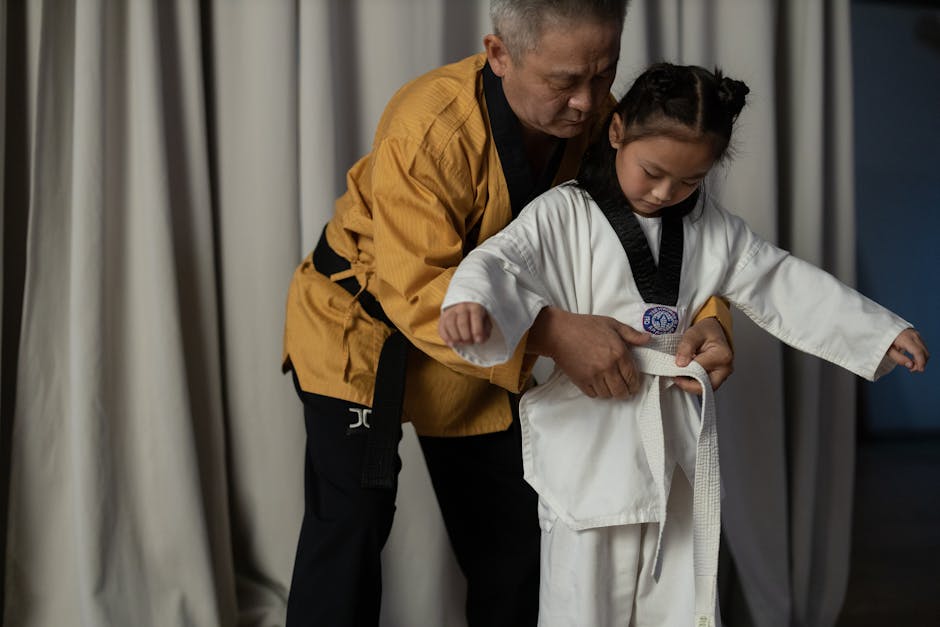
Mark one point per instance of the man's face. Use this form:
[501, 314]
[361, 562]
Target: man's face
[558, 87]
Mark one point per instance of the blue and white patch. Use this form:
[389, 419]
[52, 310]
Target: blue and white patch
[660, 320]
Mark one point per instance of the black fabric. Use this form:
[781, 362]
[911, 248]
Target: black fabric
[491, 517]
[379, 470]
[337, 577]
[656, 283]
[378, 467]
[507, 134]
[490, 513]
[327, 261]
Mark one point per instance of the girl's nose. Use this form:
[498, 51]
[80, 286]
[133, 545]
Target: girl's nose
[663, 192]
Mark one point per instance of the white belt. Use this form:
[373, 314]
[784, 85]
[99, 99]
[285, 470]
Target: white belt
[658, 359]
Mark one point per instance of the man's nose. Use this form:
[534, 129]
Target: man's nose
[582, 99]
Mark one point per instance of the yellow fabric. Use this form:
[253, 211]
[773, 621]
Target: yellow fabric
[432, 174]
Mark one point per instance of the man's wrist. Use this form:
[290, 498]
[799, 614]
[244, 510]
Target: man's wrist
[538, 339]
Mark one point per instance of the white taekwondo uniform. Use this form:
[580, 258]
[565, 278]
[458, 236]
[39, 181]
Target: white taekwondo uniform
[595, 463]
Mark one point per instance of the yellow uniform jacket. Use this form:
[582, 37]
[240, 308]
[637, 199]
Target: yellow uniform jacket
[433, 185]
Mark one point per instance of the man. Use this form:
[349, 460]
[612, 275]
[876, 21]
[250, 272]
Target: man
[457, 153]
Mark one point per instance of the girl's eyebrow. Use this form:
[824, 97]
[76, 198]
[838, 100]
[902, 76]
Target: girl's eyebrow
[649, 165]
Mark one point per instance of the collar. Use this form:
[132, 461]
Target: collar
[523, 184]
[657, 283]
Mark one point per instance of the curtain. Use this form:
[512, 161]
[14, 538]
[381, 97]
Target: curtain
[165, 166]
[118, 499]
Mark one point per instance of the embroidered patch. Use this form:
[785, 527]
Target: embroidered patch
[660, 320]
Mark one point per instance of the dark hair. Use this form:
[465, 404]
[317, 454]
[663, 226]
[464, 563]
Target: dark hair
[686, 102]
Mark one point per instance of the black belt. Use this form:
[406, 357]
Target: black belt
[378, 466]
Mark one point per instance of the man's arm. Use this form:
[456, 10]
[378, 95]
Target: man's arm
[594, 350]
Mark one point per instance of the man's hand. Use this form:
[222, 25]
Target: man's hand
[594, 351]
[705, 342]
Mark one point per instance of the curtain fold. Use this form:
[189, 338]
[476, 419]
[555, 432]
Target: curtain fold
[818, 224]
[166, 165]
[117, 487]
[255, 114]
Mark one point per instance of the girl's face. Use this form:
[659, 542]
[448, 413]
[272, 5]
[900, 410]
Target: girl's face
[659, 171]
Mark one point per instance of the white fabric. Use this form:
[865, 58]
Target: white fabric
[603, 576]
[601, 462]
[658, 405]
[562, 251]
[167, 165]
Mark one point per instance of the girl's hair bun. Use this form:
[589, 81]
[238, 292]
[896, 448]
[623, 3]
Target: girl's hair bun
[731, 94]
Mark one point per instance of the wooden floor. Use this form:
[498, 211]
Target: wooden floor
[894, 579]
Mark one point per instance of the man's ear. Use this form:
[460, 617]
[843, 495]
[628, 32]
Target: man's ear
[615, 133]
[497, 54]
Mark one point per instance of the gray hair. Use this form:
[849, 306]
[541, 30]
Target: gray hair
[519, 23]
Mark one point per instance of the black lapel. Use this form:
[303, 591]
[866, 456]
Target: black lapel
[507, 134]
[656, 284]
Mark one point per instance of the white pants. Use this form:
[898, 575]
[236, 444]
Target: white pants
[602, 577]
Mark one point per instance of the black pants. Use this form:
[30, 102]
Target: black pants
[489, 511]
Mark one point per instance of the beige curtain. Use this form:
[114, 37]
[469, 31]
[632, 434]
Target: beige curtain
[166, 164]
[118, 507]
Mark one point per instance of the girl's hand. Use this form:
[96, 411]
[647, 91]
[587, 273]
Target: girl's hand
[909, 350]
[464, 323]
[705, 342]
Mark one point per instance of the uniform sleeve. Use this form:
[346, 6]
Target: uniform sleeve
[806, 307]
[421, 205]
[537, 260]
[500, 275]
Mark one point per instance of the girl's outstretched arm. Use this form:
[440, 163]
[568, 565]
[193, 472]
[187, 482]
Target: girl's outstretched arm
[464, 323]
[909, 350]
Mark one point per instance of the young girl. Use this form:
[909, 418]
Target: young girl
[637, 238]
